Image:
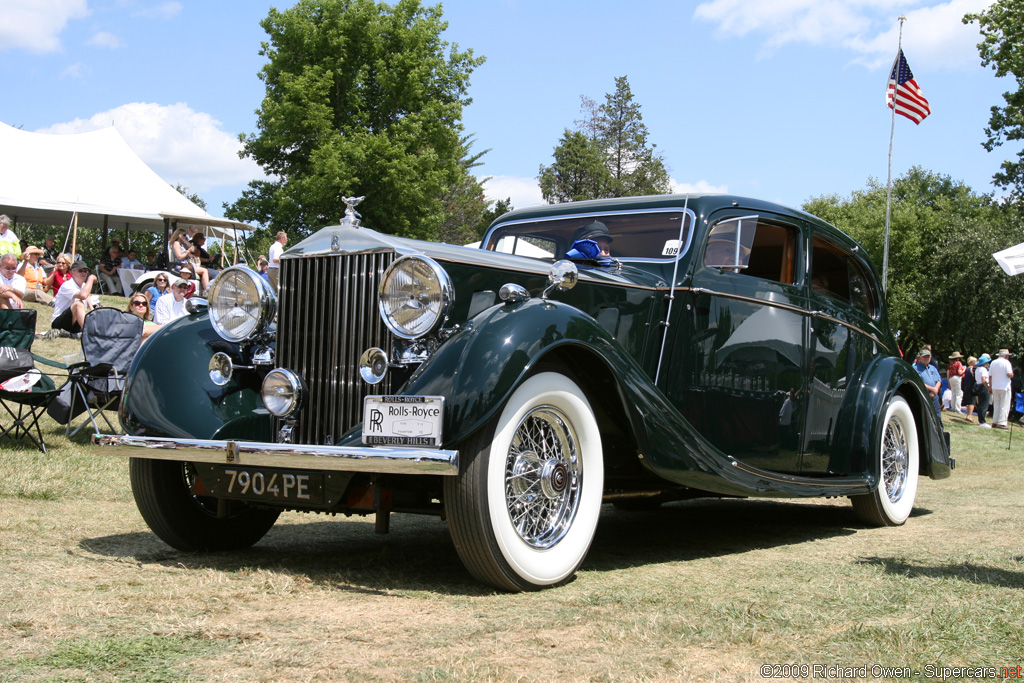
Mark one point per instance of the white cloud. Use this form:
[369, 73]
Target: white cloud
[166, 10]
[104, 39]
[181, 145]
[523, 192]
[76, 70]
[35, 25]
[934, 35]
[700, 187]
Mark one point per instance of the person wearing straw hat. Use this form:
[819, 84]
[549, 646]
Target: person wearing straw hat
[955, 375]
[35, 276]
[1000, 374]
[930, 377]
[982, 388]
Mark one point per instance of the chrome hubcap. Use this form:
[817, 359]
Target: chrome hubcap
[895, 460]
[543, 477]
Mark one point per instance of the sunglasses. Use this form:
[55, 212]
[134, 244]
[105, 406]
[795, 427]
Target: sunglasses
[140, 303]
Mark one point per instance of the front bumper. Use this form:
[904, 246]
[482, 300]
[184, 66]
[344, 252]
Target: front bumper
[375, 459]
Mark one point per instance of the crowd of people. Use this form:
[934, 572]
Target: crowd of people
[45, 275]
[64, 281]
[975, 384]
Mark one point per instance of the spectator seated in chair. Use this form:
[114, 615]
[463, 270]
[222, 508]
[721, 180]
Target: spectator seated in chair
[12, 285]
[35, 277]
[108, 270]
[139, 305]
[170, 308]
[60, 274]
[73, 300]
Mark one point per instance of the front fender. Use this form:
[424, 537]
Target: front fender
[881, 380]
[479, 367]
[169, 391]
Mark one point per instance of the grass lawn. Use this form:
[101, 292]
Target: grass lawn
[697, 590]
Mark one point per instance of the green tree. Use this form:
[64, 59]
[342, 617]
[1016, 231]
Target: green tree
[607, 155]
[464, 201]
[634, 166]
[943, 280]
[499, 208]
[361, 99]
[1002, 30]
[579, 171]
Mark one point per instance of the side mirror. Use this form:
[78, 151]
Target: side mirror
[562, 277]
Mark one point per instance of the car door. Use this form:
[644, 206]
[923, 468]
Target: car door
[843, 302]
[739, 362]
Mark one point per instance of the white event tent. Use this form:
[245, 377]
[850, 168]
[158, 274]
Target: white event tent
[47, 178]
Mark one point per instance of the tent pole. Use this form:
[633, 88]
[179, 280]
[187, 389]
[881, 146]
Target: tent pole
[167, 238]
[74, 236]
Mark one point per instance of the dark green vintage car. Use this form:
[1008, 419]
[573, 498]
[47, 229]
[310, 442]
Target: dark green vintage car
[690, 346]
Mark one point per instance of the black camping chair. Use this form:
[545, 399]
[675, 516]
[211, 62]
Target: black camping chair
[110, 338]
[17, 331]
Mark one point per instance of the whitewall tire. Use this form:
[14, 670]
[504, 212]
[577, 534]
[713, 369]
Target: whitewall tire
[899, 461]
[524, 510]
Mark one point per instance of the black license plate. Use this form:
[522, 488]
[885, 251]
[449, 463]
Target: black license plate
[267, 485]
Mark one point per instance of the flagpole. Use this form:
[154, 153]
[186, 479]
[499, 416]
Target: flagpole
[888, 184]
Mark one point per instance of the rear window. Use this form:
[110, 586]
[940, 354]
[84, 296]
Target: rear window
[648, 235]
[836, 273]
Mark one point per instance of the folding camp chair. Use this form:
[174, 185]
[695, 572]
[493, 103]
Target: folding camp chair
[17, 331]
[110, 338]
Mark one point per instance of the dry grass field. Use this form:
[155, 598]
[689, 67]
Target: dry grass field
[699, 590]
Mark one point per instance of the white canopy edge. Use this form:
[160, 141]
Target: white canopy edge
[1011, 260]
[46, 178]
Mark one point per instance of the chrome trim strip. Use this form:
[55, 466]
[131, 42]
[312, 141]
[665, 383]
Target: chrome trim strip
[787, 307]
[376, 459]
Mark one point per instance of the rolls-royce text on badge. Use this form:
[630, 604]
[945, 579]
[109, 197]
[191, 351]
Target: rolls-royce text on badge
[403, 421]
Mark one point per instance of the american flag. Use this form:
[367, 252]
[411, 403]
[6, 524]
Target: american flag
[910, 101]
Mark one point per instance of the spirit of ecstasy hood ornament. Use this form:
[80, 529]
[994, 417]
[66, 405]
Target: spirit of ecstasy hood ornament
[351, 218]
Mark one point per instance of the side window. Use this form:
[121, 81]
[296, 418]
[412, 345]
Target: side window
[836, 273]
[753, 247]
[536, 247]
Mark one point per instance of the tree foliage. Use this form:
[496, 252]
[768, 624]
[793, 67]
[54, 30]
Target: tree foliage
[1002, 30]
[362, 99]
[607, 155]
[944, 286]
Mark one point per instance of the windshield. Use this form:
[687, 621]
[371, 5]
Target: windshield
[647, 235]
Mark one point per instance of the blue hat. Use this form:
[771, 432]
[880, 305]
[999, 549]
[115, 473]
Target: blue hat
[984, 359]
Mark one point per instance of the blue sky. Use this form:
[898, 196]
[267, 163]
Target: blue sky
[778, 100]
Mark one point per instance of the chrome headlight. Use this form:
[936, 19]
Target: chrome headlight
[282, 392]
[415, 296]
[242, 304]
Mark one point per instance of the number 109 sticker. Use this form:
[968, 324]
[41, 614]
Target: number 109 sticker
[671, 248]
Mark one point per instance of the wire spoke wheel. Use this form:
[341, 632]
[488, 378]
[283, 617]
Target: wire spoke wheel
[894, 460]
[543, 476]
[898, 462]
[524, 508]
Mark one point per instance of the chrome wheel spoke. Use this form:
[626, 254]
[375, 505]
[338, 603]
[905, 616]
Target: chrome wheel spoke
[542, 475]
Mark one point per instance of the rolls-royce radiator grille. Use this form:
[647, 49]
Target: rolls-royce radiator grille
[327, 317]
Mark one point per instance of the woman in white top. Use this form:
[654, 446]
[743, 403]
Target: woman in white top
[178, 248]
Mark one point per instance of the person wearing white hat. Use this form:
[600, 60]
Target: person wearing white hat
[1000, 374]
